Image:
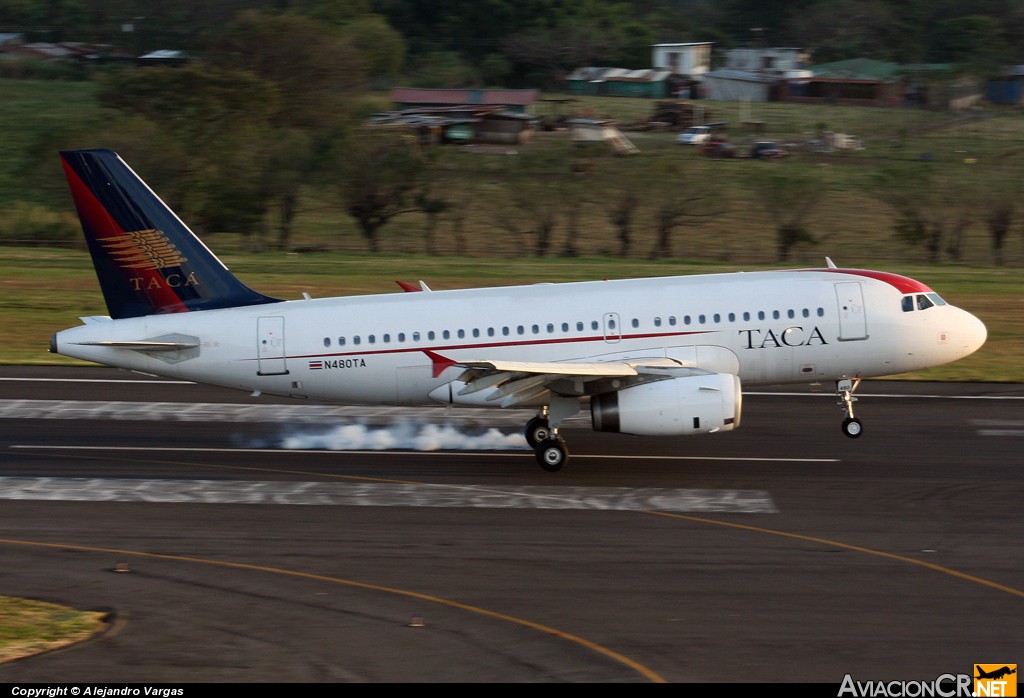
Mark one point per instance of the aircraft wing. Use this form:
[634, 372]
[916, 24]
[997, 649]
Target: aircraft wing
[510, 383]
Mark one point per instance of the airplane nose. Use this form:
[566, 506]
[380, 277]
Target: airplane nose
[974, 333]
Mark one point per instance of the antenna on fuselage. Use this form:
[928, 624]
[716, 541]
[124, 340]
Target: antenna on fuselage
[831, 264]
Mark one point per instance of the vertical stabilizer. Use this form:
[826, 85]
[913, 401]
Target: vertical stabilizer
[146, 258]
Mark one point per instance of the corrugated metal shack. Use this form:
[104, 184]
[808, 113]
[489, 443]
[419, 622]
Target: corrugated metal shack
[465, 123]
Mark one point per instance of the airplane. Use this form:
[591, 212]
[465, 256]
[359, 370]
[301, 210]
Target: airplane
[652, 356]
[995, 674]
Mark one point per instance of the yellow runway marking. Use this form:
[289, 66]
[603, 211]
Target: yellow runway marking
[845, 546]
[611, 654]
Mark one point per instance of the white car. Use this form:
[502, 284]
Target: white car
[695, 135]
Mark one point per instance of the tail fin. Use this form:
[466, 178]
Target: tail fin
[146, 259]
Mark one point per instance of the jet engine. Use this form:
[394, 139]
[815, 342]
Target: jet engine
[687, 405]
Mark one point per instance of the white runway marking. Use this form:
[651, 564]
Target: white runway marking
[999, 427]
[230, 412]
[385, 495]
[474, 454]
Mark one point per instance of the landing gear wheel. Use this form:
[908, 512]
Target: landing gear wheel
[852, 427]
[552, 454]
[537, 431]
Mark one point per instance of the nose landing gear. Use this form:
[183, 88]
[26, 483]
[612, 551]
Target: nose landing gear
[851, 425]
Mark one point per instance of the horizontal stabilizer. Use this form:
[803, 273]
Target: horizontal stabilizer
[143, 345]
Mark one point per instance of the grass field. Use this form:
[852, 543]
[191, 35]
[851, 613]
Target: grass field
[489, 242]
[29, 627]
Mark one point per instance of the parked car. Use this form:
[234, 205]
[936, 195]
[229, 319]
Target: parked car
[718, 148]
[698, 135]
[767, 150]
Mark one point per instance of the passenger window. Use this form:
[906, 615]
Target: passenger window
[327, 341]
[636, 323]
[672, 320]
[341, 341]
[657, 322]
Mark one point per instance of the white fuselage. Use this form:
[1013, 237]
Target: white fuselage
[765, 327]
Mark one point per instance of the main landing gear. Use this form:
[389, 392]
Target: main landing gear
[546, 442]
[851, 425]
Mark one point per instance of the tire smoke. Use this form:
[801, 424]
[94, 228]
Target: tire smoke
[403, 435]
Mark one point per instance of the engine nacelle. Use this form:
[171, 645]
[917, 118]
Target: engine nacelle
[674, 407]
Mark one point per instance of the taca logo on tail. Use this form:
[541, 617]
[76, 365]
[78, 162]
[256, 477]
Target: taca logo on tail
[147, 260]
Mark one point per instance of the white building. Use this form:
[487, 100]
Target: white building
[691, 60]
[786, 63]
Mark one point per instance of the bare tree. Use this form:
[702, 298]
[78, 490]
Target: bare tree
[1001, 210]
[533, 197]
[377, 178]
[622, 209]
[933, 208]
[788, 196]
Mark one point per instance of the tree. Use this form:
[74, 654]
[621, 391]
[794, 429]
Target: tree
[932, 208]
[866, 30]
[221, 118]
[381, 47]
[1001, 209]
[315, 68]
[378, 174]
[677, 205]
[532, 197]
[788, 195]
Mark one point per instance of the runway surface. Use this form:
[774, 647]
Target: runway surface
[780, 552]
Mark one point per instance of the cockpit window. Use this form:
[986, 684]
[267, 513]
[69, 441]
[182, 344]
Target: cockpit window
[921, 301]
